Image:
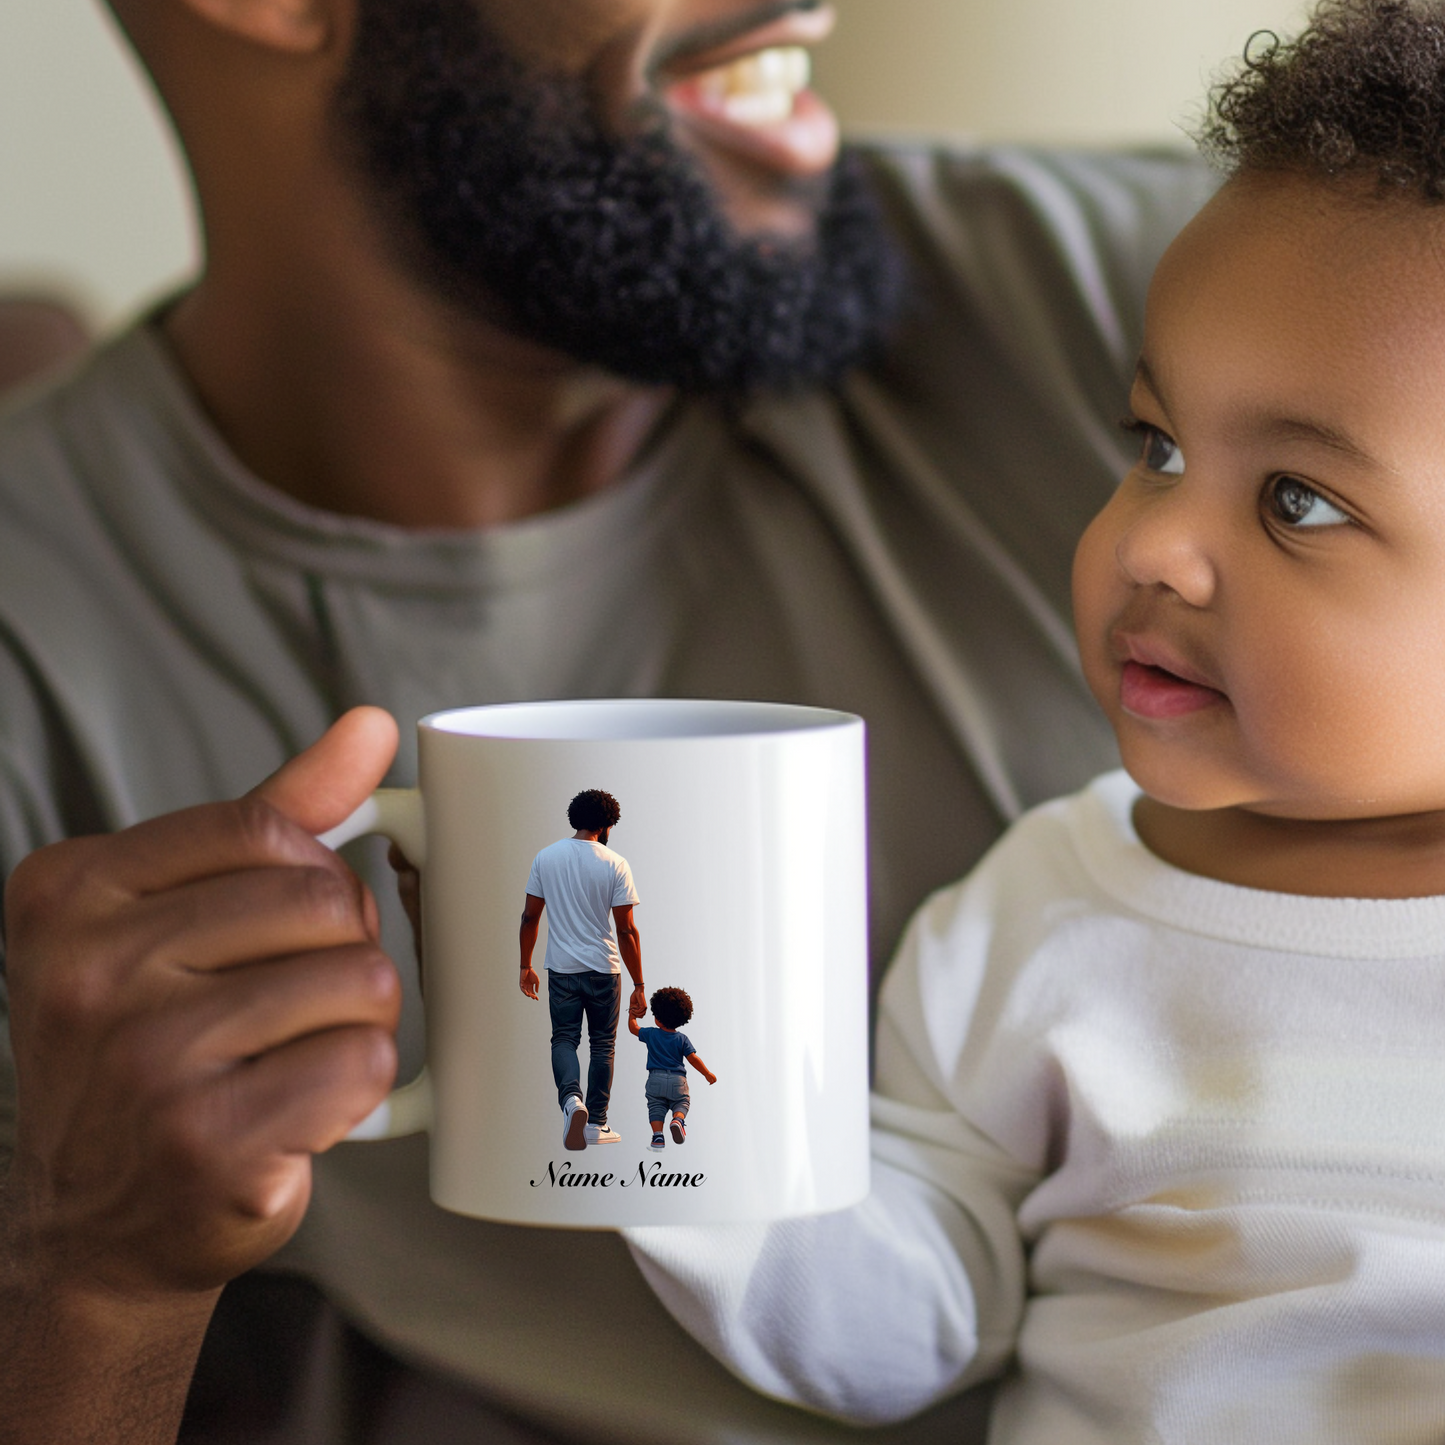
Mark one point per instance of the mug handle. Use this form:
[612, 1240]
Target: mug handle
[398, 814]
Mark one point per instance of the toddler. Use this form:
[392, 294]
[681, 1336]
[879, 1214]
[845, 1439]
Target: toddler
[666, 1051]
[1160, 1122]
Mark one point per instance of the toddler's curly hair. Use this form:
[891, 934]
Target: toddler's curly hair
[1359, 93]
[671, 1007]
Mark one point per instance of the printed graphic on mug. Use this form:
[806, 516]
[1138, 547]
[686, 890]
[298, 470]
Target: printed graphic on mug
[587, 892]
[695, 869]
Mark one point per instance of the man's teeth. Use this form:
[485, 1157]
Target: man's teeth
[758, 89]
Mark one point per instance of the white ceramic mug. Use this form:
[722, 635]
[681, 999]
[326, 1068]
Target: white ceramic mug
[743, 825]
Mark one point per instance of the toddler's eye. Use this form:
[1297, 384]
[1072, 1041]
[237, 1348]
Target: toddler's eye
[1157, 450]
[1297, 504]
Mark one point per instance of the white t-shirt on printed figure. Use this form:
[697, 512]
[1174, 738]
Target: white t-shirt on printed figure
[581, 882]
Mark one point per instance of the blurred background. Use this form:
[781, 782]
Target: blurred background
[93, 202]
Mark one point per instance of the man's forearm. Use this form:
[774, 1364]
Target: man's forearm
[88, 1365]
[528, 939]
[629, 945]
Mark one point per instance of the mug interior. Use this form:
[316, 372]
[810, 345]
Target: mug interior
[633, 718]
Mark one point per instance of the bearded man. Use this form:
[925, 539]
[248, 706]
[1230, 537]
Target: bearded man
[544, 348]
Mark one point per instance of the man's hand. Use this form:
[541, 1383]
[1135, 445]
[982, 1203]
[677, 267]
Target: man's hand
[637, 1004]
[530, 982]
[198, 1005]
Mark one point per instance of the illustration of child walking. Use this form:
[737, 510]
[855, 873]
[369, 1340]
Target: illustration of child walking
[666, 1051]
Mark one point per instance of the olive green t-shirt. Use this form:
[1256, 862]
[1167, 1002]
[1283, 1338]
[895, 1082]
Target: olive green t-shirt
[171, 629]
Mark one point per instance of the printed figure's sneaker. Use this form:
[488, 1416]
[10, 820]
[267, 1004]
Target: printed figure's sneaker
[658, 1142]
[679, 1132]
[574, 1124]
[602, 1134]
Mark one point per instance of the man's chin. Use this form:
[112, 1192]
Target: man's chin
[771, 210]
[686, 298]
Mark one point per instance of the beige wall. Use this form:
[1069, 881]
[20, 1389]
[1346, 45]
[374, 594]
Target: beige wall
[91, 195]
[1071, 71]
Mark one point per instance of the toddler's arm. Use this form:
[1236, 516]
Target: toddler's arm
[634, 1024]
[702, 1068]
[873, 1313]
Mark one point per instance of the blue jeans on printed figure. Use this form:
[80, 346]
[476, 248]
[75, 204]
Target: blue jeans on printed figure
[598, 996]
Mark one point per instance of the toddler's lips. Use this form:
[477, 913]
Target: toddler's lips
[1152, 692]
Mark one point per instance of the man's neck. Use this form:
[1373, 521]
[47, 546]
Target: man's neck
[341, 381]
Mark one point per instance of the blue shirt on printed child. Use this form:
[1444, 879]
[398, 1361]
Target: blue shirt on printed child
[665, 1050]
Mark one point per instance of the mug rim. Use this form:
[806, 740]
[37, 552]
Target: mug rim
[627, 719]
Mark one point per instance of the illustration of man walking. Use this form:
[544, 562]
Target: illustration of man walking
[589, 889]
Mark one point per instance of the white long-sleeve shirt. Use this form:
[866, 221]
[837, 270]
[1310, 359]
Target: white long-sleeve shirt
[1179, 1145]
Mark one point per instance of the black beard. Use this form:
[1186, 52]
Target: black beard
[512, 199]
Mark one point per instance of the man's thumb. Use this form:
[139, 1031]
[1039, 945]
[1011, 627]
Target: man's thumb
[324, 785]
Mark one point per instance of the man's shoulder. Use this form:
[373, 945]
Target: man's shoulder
[119, 606]
[1002, 190]
[72, 455]
[573, 853]
[50, 427]
[553, 852]
[1035, 244]
[41, 482]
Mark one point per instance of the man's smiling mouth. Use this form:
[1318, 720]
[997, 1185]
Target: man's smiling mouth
[759, 89]
[750, 95]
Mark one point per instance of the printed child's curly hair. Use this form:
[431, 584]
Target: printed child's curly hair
[671, 1007]
[1360, 93]
[593, 811]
